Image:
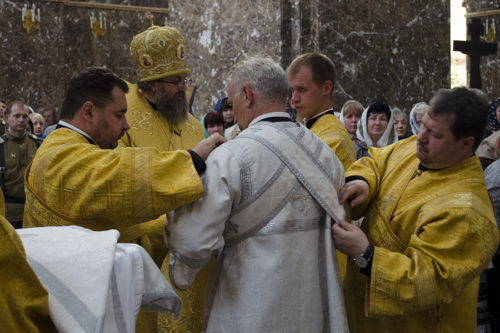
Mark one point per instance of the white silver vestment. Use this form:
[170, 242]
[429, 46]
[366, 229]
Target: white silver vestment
[276, 269]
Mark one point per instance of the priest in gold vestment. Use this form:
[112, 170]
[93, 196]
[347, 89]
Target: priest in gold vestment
[24, 303]
[311, 77]
[158, 116]
[429, 228]
[76, 178]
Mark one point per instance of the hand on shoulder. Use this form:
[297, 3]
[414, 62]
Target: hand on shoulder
[206, 146]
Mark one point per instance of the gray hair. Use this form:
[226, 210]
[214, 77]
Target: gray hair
[419, 108]
[267, 78]
[397, 112]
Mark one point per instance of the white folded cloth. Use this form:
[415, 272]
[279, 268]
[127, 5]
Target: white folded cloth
[95, 284]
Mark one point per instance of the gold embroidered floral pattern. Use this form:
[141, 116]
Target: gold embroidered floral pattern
[141, 121]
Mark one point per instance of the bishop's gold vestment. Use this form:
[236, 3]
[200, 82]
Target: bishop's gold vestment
[433, 231]
[24, 303]
[149, 129]
[329, 129]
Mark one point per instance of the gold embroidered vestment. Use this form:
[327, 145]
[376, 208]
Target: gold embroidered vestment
[329, 129]
[149, 129]
[434, 232]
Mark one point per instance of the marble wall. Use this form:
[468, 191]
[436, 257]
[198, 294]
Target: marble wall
[37, 66]
[218, 34]
[490, 73]
[396, 50]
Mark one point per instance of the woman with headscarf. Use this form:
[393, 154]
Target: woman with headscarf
[416, 115]
[400, 123]
[212, 122]
[375, 129]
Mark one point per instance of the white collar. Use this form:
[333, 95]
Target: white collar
[76, 129]
[269, 115]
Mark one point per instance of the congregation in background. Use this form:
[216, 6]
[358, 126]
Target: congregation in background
[276, 211]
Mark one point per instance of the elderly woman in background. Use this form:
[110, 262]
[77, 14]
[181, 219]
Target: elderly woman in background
[350, 116]
[416, 115]
[400, 123]
[375, 129]
[38, 124]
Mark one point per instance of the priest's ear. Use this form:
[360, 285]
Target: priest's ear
[248, 96]
[87, 110]
[327, 87]
[468, 143]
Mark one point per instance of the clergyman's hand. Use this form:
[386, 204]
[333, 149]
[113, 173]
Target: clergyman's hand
[205, 146]
[356, 191]
[349, 239]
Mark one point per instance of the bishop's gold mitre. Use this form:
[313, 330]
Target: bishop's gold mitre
[159, 52]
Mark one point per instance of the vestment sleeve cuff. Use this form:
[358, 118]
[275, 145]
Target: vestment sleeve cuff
[198, 162]
[367, 271]
[351, 178]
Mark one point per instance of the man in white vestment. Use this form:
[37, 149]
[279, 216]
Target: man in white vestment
[271, 195]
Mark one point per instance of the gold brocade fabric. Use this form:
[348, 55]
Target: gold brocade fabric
[329, 129]
[159, 52]
[434, 232]
[73, 182]
[333, 133]
[190, 319]
[149, 129]
[24, 303]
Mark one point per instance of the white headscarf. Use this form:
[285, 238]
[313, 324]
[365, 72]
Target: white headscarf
[389, 137]
[341, 117]
[413, 121]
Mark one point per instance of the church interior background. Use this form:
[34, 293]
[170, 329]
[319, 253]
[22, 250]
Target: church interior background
[393, 50]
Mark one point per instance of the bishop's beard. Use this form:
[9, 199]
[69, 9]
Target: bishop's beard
[172, 107]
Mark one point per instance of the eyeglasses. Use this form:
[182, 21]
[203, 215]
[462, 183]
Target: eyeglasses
[186, 82]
